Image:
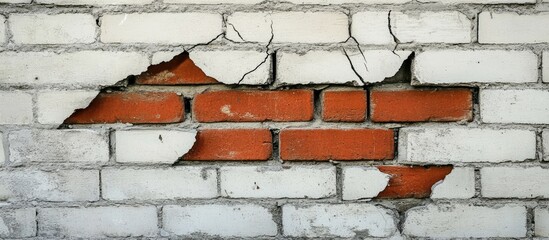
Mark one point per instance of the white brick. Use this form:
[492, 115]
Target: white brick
[460, 183]
[3, 34]
[214, 1]
[58, 146]
[234, 67]
[514, 182]
[545, 67]
[512, 27]
[153, 184]
[529, 106]
[331, 2]
[219, 220]
[464, 221]
[479, 1]
[545, 137]
[288, 27]
[475, 66]
[52, 29]
[55, 186]
[2, 151]
[363, 182]
[167, 28]
[19, 109]
[371, 28]
[431, 27]
[333, 67]
[277, 182]
[15, 1]
[56, 106]
[105, 222]
[541, 219]
[94, 2]
[17, 223]
[153, 146]
[441, 145]
[77, 68]
[329, 220]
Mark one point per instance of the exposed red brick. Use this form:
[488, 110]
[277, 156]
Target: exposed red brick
[253, 106]
[421, 105]
[336, 144]
[180, 70]
[344, 106]
[231, 144]
[412, 181]
[132, 107]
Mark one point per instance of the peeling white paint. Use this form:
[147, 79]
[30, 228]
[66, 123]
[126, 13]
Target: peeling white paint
[234, 67]
[153, 146]
[376, 65]
[363, 182]
[460, 183]
[56, 106]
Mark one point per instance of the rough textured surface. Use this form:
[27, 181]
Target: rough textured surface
[363, 182]
[344, 106]
[460, 183]
[18, 223]
[518, 182]
[411, 182]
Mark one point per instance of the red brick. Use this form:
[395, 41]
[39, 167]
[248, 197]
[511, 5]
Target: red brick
[231, 144]
[132, 107]
[180, 70]
[344, 106]
[253, 106]
[412, 181]
[421, 105]
[336, 144]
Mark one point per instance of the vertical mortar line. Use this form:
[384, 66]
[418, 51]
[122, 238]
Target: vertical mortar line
[396, 132]
[478, 184]
[275, 156]
[100, 173]
[339, 183]
[539, 144]
[273, 67]
[218, 181]
[530, 222]
[159, 219]
[317, 104]
[540, 67]
[475, 26]
[112, 145]
[34, 94]
[475, 108]
[36, 222]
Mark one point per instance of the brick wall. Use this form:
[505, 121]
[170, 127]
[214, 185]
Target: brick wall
[274, 119]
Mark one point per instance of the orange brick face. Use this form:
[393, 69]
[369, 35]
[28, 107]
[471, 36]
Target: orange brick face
[344, 106]
[421, 105]
[336, 144]
[412, 181]
[180, 70]
[253, 106]
[132, 107]
[231, 144]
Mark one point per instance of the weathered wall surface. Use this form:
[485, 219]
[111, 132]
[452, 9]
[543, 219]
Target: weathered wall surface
[274, 119]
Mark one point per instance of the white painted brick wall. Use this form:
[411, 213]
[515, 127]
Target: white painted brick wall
[55, 186]
[465, 221]
[19, 111]
[17, 223]
[441, 145]
[288, 27]
[94, 2]
[3, 34]
[541, 219]
[277, 182]
[509, 27]
[15, 1]
[219, 220]
[363, 182]
[337, 220]
[530, 106]
[152, 146]
[333, 67]
[90, 68]
[162, 28]
[154, 184]
[371, 28]
[3, 153]
[53, 107]
[98, 222]
[58, 146]
[475, 66]
[431, 27]
[478, 1]
[514, 182]
[52, 29]
[214, 1]
[460, 183]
